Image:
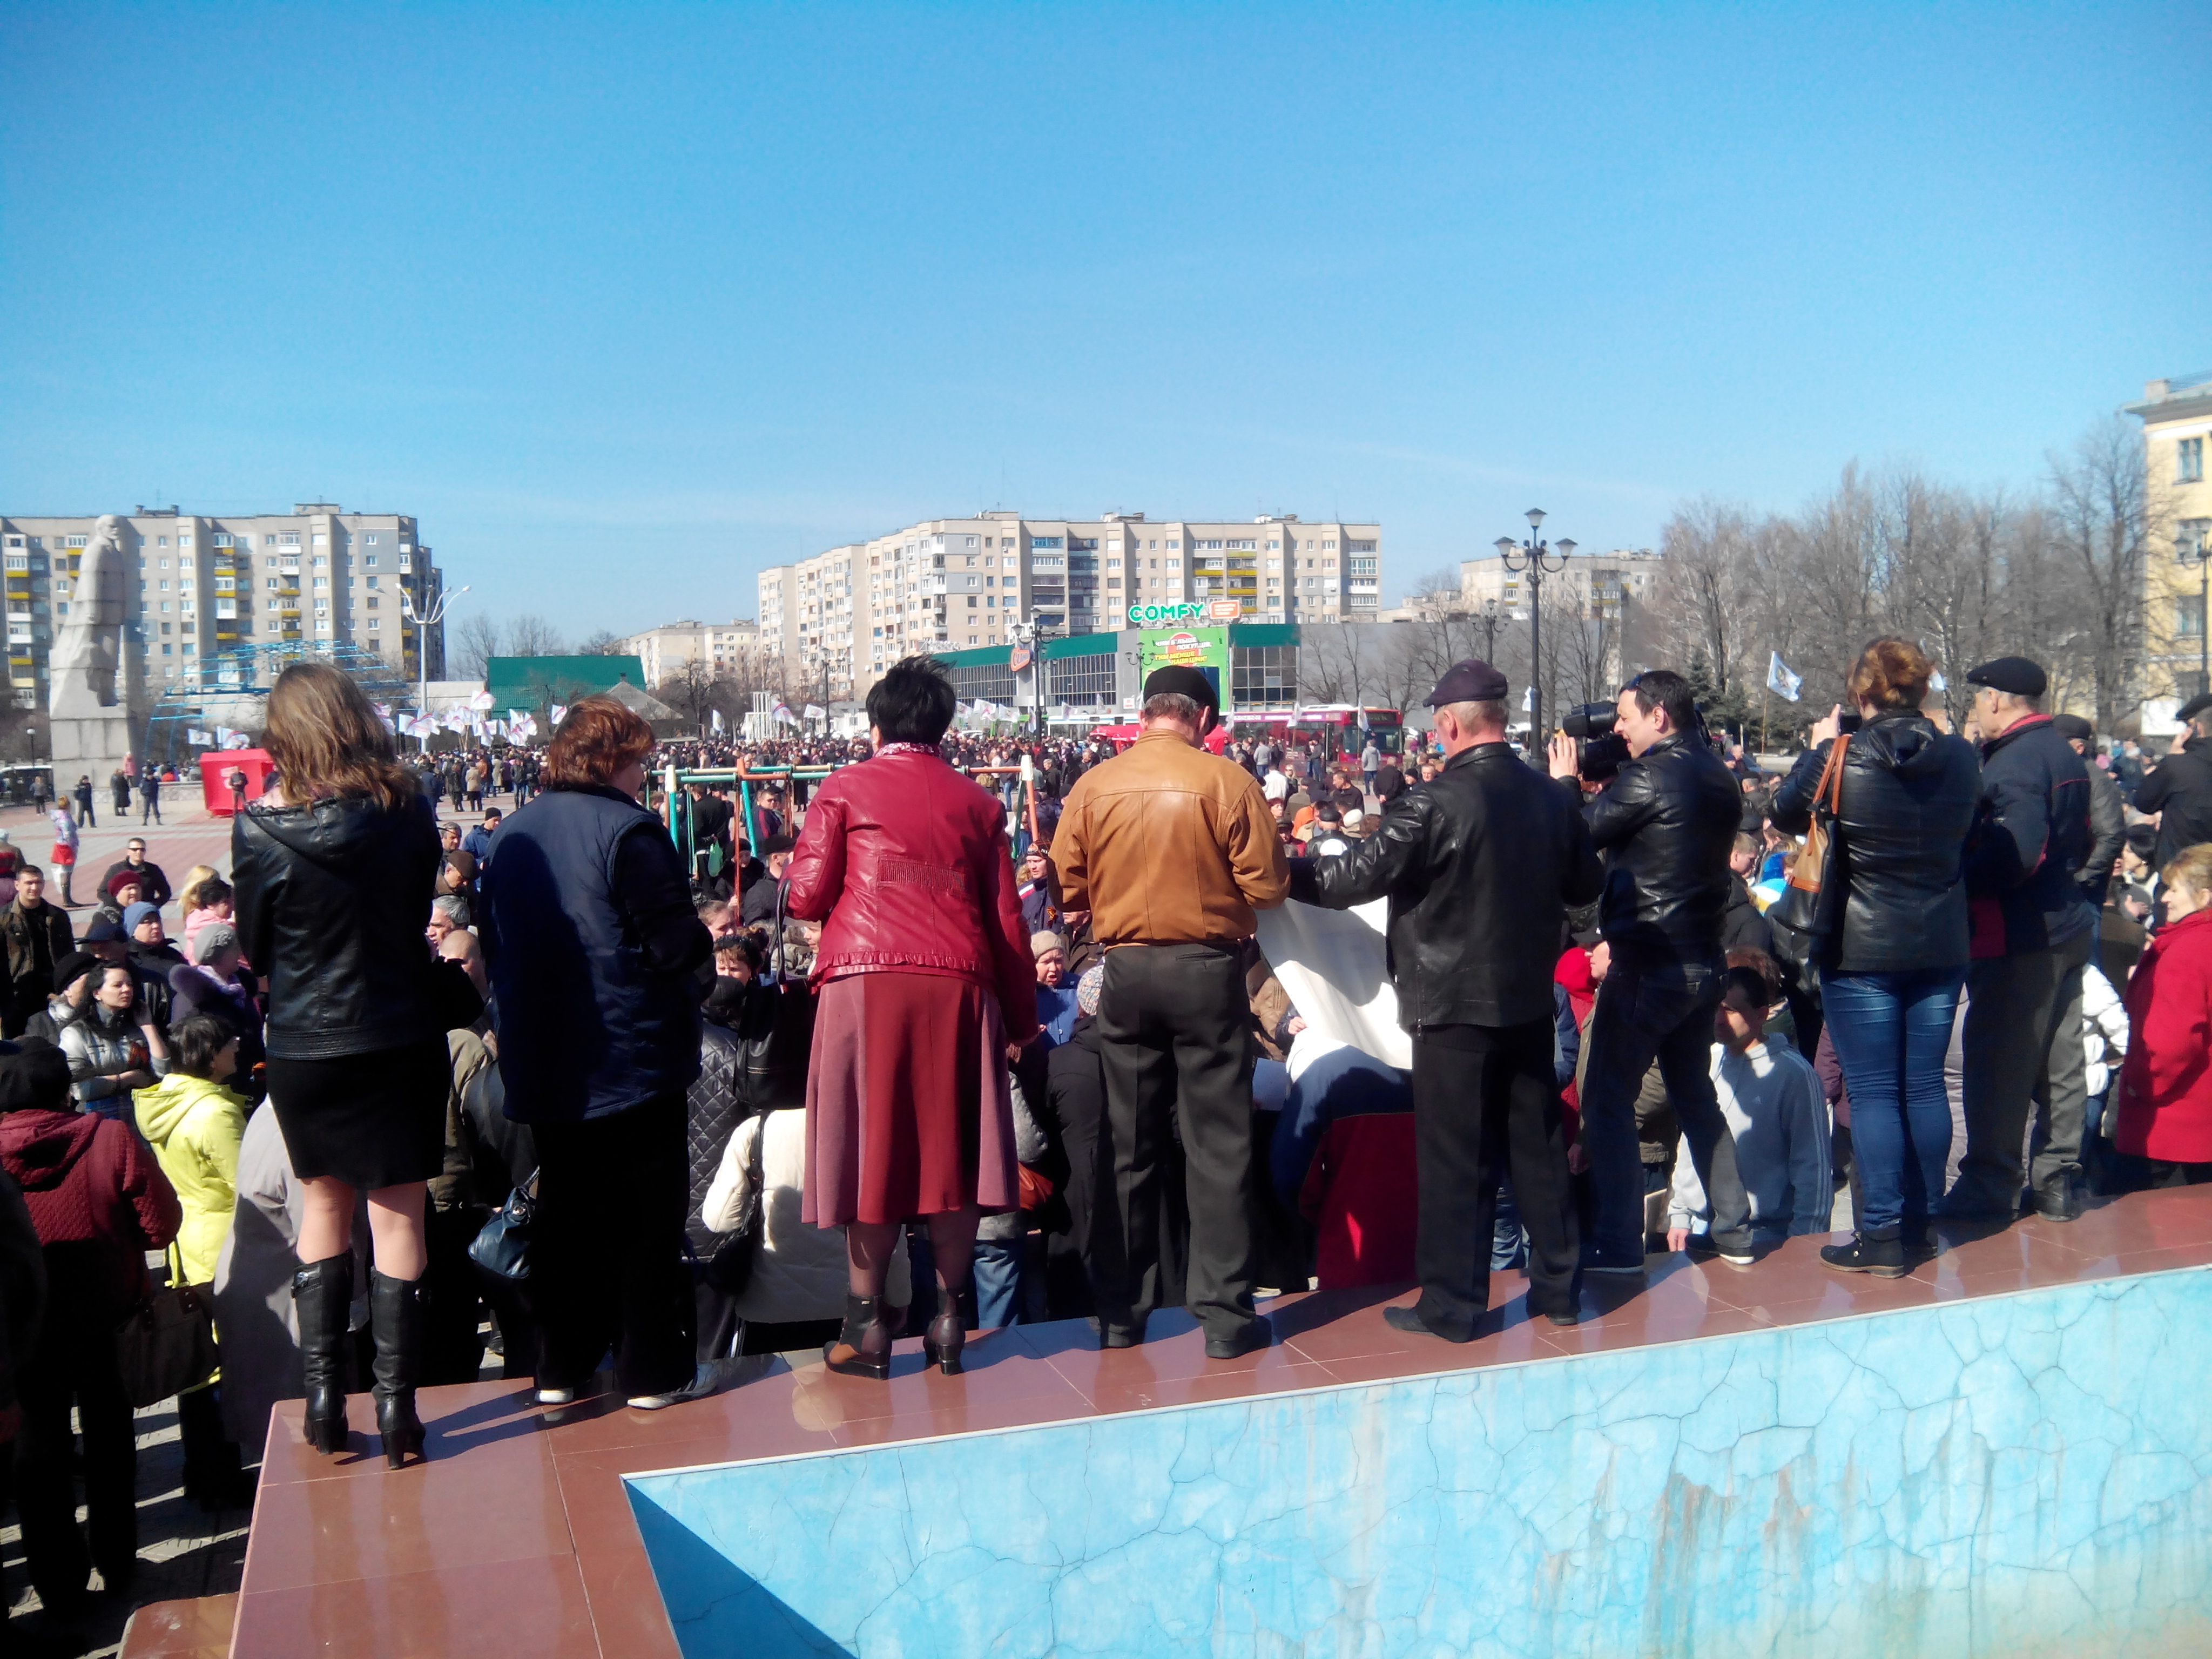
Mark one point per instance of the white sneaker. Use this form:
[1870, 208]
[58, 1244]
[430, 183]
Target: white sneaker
[556, 1396]
[711, 1377]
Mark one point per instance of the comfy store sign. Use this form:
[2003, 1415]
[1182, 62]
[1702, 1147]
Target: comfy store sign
[1184, 613]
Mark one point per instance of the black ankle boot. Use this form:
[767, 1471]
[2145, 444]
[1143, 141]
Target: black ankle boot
[322, 1292]
[863, 1348]
[948, 1333]
[1882, 1256]
[399, 1318]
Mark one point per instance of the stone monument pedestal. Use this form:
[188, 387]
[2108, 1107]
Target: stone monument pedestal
[87, 745]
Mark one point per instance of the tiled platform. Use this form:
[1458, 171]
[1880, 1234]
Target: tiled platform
[517, 1536]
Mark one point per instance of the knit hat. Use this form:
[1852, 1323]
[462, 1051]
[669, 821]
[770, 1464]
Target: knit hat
[137, 914]
[213, 940]
[1087, 989]
[1045, 939]
[124, 878]
[34, 1076]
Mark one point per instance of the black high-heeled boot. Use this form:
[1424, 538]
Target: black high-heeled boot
[948, 1333]
[863, 1348]
[399, 1318]
[322, 1292]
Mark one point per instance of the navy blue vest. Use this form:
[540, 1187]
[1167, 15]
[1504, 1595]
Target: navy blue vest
[585, 1028]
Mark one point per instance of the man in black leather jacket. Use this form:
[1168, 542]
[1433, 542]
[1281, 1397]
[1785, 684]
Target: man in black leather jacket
[1666, 825]
[2180, 788]
[1480, 867]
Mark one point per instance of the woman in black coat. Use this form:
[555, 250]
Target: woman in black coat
[1891, 970]
[333, 882]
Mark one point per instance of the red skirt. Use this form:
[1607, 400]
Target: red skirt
[909, 1111]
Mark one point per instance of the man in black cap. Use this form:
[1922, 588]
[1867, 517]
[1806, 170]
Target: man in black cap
[1480, 867]
[2108, 811]
[2032, 935]
[1170, 849]
[1665, 824]
[2180, 788]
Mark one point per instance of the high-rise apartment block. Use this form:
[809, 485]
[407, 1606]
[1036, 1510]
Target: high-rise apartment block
[841, 617]
[202, 585]
[1592, 584]
[721, 647]
[2177, 418]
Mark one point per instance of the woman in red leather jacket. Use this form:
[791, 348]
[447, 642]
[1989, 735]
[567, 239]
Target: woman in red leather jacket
[925, 975]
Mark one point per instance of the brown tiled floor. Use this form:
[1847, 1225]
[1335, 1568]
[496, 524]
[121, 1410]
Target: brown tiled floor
[516, 1537]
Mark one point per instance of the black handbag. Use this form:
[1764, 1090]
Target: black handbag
[774, 1033]
[166, 1346]
[730, 1269]
[1811, 905]
[502, 1247]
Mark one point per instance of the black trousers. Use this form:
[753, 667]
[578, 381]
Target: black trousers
[75, 1365]
[610, 1268]
[454, 1352]
[1173, 1024]
[1484, 1103]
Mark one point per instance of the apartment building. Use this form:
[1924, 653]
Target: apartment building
[209, 585]
[2177, 417]
[838, 619]
[663, 651]
[1593, 584]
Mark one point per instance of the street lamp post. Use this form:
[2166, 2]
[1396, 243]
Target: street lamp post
[422, 655]
[1536, 557]
[1490, 629]
[2202, 554]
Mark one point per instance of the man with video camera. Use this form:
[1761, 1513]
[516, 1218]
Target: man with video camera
[1665, 824]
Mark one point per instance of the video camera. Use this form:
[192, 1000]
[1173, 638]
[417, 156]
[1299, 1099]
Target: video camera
[1599, 751]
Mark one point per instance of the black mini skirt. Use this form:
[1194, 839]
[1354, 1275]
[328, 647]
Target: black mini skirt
[370, 1119]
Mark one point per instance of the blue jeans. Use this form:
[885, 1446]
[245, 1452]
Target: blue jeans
[1660, 1011]
[1891, 1031]
[1000, 1273]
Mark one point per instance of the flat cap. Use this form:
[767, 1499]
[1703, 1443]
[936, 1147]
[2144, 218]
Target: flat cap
[67, 970]
[106, 931]
[34, 1076]
[1469, 681]
[1182, 681]
[2016, 677]
[2074, 728]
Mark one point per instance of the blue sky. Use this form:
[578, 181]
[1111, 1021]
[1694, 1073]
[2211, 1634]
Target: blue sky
[628, 302]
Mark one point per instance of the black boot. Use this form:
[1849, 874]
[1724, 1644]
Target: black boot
[863, 1348]
[1879, 1253]
[322, 1292]
[399, 1318]
[948, 1332]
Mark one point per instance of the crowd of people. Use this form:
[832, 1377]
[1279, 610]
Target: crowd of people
[965, 1031]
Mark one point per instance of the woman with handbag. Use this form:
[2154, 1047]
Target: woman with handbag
[100, 1202]
[926, 975]
[1885, 903]
[591, 939]
[333, 877]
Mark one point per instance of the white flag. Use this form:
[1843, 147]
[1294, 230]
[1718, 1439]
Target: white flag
[717, 725]
[815, 711]
[1529, 699]
[1936, 682]
[481, 701]
[559, 713]
[1779, 679]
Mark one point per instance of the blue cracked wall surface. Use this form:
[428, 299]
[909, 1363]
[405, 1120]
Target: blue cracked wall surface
[2017, 1474]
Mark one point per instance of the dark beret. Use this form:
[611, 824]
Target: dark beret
[1182, 681]
[67, 970]
[34, 1076]
[2014, 675]
[2196, 705]
[1470, 681]
[2073, 727]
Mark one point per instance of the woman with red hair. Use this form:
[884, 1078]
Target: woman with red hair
[589, 930]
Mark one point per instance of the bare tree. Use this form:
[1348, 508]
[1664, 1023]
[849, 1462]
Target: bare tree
[600, 643]
[2104, 517]
[475, 643]
[530, 635]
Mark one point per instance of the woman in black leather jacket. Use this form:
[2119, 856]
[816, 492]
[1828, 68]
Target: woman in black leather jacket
[1890, 973]
[333, 882]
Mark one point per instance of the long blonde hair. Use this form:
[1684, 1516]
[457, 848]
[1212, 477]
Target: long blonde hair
[326, 740]
[188, 891]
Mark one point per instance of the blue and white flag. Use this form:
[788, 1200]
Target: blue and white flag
[1779, 679]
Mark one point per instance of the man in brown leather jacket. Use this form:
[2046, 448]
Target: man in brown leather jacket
[1170, 849]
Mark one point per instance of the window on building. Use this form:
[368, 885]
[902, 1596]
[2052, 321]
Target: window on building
[2188, 617]
[2189, 461]
[2191, 538]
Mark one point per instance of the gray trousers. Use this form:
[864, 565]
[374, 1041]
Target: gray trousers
[2025, 1071]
